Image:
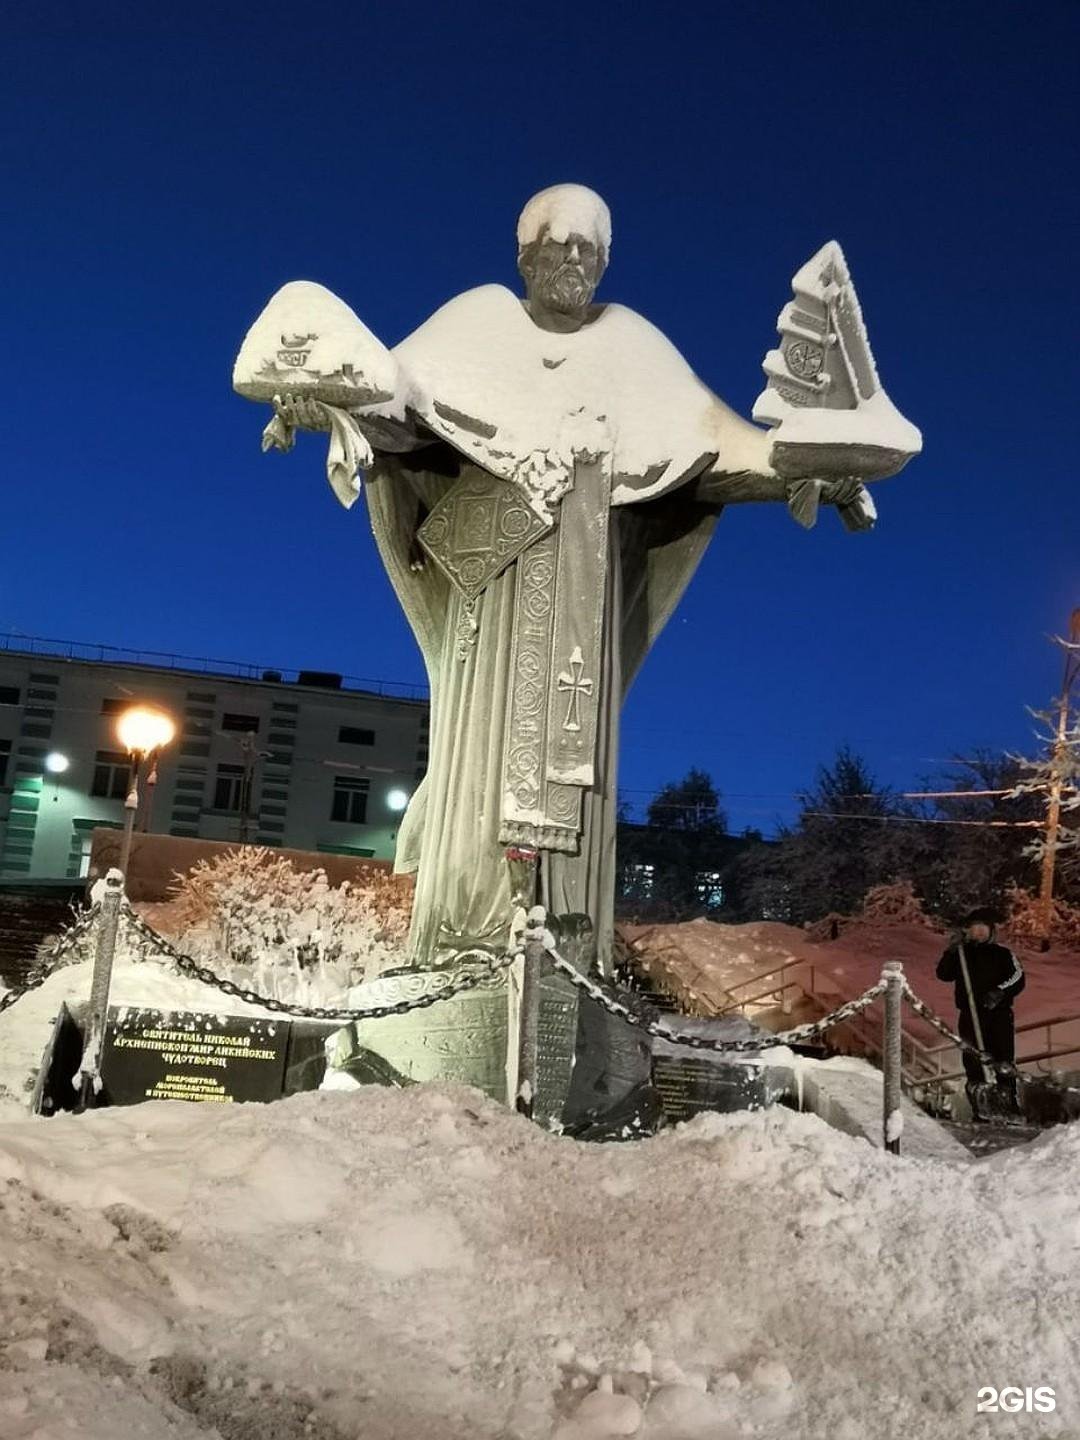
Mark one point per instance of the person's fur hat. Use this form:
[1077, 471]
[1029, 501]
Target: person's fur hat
[981, 915]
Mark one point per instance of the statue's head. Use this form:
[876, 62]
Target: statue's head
[564, 239]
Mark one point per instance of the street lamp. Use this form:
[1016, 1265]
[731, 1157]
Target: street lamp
[142, 731]
[397, 800]
[55, 763]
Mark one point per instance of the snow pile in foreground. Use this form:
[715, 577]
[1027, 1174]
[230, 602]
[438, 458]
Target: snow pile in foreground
[398, 1265]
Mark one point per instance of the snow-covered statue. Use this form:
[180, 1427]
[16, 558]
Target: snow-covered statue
[543, 478]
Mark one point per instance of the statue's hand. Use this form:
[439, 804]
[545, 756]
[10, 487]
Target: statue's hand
[851, 498]
[301, 412]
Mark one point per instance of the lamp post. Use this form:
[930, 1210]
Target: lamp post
[142, 731]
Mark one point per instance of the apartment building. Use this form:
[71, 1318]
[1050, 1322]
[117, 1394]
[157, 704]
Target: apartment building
[302, 759]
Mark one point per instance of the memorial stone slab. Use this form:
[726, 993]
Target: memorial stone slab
[176, 1055]
[687, 1086]
[556, 1031]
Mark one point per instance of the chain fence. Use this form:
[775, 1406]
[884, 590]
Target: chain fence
[800, 1035]
[444, 983]
[50, 960]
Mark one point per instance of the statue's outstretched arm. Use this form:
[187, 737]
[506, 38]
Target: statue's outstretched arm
[321, 368]
[747, 469]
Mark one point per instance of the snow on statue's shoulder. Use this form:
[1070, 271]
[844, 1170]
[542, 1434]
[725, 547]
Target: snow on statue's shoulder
[308, 342]
[823, 387]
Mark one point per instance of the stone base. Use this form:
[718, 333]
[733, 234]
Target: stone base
[461, 1039]
[464, 1039]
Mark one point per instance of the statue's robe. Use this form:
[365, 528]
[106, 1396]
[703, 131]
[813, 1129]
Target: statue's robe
[565, 494]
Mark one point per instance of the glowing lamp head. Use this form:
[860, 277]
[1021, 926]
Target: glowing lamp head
[143, 729]
[55, 763]
[397, 800]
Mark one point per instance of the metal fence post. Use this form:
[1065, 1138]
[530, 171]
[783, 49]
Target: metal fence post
[528, 1034]
[105, 950]
[893, 976]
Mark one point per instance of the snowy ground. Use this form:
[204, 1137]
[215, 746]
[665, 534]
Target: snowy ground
[398, 1265]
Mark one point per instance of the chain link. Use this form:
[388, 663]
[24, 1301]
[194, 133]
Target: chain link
[45, 965]
[455, 983]
[801, 1035]
[1003, 1067]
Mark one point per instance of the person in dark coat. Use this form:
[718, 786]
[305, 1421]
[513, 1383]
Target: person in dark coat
[996, 979]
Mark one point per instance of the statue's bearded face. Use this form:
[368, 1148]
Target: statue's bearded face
[561, 276]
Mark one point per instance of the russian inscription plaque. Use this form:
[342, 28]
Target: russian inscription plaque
[159, 1055]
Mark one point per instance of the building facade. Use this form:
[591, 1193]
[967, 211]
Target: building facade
[305, 760]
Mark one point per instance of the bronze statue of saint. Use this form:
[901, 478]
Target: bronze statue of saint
[543, 479]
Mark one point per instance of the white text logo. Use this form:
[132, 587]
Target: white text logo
[1011, 1399]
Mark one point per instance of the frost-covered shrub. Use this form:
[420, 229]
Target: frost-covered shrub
[252, 916]
[896, 904]
[1025, 919]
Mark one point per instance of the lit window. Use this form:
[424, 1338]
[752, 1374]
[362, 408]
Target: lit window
[710, 889]
[638, 881]
[232, 789]
[350, 800]
[112, 775]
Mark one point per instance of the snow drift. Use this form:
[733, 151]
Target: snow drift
[407, 1264]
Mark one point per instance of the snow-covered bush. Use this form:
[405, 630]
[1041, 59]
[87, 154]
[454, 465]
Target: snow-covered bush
[1025, 919]
[252, 916]
[896, 904]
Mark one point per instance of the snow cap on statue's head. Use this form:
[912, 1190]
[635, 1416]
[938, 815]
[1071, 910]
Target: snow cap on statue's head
[565, 210]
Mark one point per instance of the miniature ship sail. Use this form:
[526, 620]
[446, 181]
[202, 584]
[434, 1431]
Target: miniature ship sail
[823, 388]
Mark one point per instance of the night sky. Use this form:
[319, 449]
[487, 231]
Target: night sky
[160, 177]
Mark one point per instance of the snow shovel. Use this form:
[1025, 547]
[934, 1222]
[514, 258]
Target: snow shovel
[989, 1101]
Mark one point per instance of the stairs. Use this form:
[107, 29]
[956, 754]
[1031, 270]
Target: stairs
[28, 915]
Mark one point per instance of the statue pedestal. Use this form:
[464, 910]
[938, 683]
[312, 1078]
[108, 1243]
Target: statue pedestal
[464, 1039]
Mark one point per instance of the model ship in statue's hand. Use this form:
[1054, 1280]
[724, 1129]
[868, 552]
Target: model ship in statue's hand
[834, 426]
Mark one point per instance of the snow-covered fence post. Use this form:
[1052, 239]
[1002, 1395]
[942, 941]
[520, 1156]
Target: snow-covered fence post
[529, 1031]
[104, 951]
[893, 976]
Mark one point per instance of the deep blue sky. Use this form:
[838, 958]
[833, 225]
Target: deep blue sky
[162, 174]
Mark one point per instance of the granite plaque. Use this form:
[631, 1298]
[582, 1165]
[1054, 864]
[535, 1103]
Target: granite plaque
[556, 1039]
[181, 1055]
[688, 1086]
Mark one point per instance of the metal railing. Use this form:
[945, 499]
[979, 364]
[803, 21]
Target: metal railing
[946, 1052]
[37, 645]
[776, 991]
[923, 1064]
